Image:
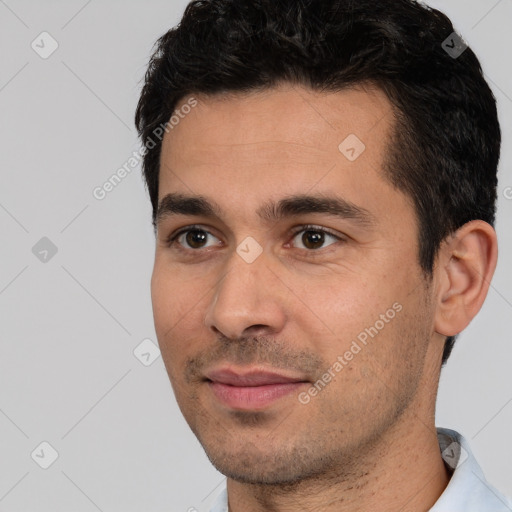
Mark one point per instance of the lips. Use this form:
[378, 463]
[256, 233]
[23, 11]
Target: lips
[252, 389]
[250, 378]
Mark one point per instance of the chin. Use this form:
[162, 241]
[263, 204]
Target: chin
[264, 465]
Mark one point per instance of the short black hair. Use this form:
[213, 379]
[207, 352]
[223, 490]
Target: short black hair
[445, 147]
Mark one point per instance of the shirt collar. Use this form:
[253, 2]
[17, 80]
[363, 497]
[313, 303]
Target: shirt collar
[467, 490]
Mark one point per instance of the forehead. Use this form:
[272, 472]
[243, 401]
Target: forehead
[263, 123]
[239, 147]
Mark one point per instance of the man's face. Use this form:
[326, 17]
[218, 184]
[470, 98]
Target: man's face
[255, 304]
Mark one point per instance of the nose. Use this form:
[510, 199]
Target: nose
[247, 300]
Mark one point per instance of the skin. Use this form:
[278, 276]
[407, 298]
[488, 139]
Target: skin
[367, 440]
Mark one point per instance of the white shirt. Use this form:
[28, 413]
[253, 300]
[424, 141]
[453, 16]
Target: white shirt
[467, 490]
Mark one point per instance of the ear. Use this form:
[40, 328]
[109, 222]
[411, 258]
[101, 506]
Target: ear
[466, 264]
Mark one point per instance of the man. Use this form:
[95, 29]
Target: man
[323, 182]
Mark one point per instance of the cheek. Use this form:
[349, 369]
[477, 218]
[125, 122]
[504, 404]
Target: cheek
[363, 320]
[345, 308]
[394, 342]
[172, 294]
[177, 314]
[379, 372]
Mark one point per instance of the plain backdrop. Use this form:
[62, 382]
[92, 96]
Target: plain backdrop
[75, 272]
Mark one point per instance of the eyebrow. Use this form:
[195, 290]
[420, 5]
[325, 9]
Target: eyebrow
[179, 204]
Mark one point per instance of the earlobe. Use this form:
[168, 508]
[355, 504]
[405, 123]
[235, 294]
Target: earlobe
[466, 264]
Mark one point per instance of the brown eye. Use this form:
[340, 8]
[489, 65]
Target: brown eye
[196, 238]
[193, 239]
[314, 239]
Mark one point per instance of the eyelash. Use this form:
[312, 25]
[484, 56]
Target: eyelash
[172, 239]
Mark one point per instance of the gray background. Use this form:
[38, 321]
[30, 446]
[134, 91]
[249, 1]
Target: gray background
[69, 325]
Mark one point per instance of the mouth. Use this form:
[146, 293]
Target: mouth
[251, 389]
